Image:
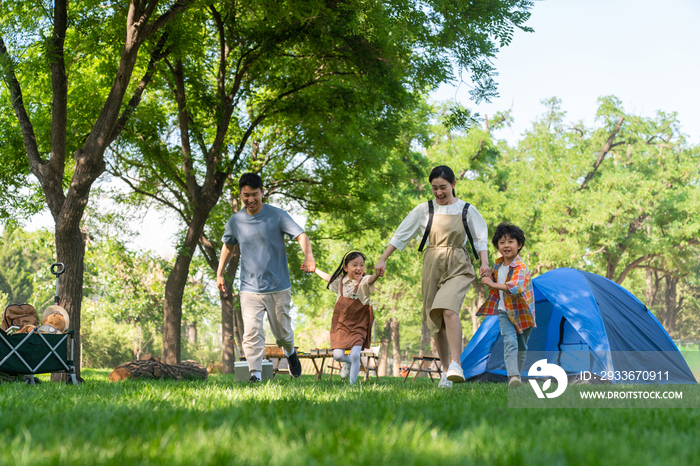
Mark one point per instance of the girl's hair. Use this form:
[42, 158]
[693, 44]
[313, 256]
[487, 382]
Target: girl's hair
[343, 263]
[508, 229]
[444, 172]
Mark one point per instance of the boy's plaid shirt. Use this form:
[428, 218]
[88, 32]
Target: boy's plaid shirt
[519, 299]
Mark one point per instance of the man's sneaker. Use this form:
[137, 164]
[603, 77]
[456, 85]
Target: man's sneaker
[253, 379]
[294, 364]
[455, 373]
[514, 382]
[345, 370]
[444, 383]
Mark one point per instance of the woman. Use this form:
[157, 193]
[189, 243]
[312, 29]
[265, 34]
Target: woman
[447, 267]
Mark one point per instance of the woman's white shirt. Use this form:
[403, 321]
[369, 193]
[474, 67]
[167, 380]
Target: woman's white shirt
[417, 220]
[363, 292]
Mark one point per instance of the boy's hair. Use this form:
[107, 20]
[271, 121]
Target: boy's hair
[343, 263]
[508, 229]
[250, 179]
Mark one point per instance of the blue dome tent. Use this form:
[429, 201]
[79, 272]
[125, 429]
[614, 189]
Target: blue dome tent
[584, 323]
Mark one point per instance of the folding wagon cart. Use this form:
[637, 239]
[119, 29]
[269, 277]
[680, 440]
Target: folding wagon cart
[39, 353]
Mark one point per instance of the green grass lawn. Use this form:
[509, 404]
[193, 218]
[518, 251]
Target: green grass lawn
[303, 422]
[693, 359]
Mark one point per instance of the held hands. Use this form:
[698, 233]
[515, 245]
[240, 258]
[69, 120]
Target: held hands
[486, 276]
[308, 266]
[488, 281]
[380, 268]
[485, 271]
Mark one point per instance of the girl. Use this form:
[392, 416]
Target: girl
[351, 327]
[447, 267]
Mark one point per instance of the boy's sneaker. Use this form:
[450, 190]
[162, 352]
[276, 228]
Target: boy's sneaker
[345, 370]
[514, 382]
[455, 373]
[294, 364]
[444, 383]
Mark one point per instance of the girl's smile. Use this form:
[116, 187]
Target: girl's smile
[355, 268]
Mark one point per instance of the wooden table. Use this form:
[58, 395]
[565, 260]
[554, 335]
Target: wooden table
[314, 357]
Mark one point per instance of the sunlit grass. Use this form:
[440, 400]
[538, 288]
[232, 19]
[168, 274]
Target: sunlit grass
[302, 422]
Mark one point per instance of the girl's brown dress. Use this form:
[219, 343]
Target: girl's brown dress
[352, 321]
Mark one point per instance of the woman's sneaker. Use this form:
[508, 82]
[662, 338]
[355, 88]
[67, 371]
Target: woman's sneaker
[294, 364]
[444, 383]
[455, 373]
[345, 370]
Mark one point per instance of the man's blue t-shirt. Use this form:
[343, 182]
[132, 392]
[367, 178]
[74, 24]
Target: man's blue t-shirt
[264, 267]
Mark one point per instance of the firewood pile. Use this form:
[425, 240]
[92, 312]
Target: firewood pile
[150, 367]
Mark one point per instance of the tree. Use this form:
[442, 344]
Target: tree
[305, 68]
[616, 199]
[61, 61]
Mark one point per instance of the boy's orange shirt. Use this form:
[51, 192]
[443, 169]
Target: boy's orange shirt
[519, 299]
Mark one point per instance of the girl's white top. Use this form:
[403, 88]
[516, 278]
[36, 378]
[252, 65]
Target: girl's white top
[416, 221]
[363, 292]
[502, 275]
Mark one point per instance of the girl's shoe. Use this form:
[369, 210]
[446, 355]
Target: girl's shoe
[455, 373]
[345, 370]
[444, 383]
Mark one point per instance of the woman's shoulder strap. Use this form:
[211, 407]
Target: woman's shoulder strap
[465, 213]
[431, 212]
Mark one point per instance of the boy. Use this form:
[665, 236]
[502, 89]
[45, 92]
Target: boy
[259, 229]
[511, 298]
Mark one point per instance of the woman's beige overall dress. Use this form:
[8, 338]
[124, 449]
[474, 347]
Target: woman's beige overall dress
[447, 269]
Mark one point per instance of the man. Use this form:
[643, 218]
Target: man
[259, 229]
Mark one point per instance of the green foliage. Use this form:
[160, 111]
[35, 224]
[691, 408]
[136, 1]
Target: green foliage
[16, 269]
[24, 266]
[106, 343]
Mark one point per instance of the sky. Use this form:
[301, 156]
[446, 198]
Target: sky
[646, 53]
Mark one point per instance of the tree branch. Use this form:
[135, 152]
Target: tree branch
[59, 87]
[631, 266]
[156, 56]
[25, 124]
[601, 155]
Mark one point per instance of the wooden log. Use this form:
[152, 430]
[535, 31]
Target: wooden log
[154, 369]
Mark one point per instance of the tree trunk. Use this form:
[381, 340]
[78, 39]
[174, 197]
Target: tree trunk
[175, 288]
[671, 310]
[70, 249]
[385, 337]
[229, 324]
[191, 331]
[396, 347]
[425, 347]
[652, 290]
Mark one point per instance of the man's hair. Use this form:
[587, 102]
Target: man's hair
[508, 229]
[250, 179]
